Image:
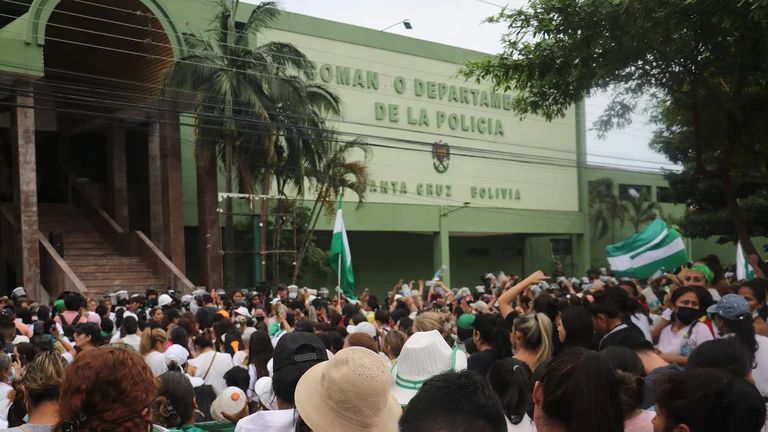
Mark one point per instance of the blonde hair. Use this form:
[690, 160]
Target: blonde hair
[43, 377]
[537, 335]
[429, 321]
[393, 342]
[150, 338]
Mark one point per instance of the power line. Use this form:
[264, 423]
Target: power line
[221, 55]
[543, 159]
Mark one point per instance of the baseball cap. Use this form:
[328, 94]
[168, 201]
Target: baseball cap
[206, 298]
[731, 307]
[6, 312]
[480, 306]
[176, 353]
[297, 348]
[466, 321]
[363, 327]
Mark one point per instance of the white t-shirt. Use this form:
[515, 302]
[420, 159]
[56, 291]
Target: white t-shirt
[671, 342]
[760, 373]
[272, 421]
[524, 426]
[156, 362]
[641, 321]
[131, 339]
[277, 337]
[221, 364]
[5, 403]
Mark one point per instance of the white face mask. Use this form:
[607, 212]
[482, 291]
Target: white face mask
[755, 314]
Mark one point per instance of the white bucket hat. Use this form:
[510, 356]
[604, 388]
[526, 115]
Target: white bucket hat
[263, 390]
[363, 327]
[242, 310]
[424, 355]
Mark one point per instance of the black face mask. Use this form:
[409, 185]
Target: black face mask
[687, 315]
[260, 318]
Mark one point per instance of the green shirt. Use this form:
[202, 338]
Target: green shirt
[187, 428]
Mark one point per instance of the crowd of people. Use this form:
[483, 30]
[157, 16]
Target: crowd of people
[684, 351]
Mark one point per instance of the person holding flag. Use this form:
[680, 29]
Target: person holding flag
[341, 257]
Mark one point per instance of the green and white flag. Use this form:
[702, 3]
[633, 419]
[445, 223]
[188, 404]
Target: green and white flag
[341, 257]
[645, 253]
[744, 271]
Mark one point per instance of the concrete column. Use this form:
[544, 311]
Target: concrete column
[155, 186]
[582, 248]
[208, 221]
[173, 197]
[442, 252]
[117, 177]
[25, 190]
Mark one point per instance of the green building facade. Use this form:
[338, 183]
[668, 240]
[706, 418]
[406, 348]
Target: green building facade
[511, 196]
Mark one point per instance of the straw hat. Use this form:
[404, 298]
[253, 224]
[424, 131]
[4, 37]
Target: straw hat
[348, 393]
[424, 355]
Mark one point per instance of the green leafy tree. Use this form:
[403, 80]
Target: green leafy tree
[254, 112]
[700, 65]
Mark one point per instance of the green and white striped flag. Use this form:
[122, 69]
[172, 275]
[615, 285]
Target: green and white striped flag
[341, 257]
[645, 253]
[744, 270]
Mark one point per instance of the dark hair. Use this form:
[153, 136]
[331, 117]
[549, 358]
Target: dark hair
[629, 372]
[174, 405]
[25, 315]
[573, 384]
[290, 318]
[547, 305]
[27, 352]
[759, 288]
[493, 330]
[107, 326]
[130, 325]
[337, 341]
[510, 378]
[579, 328]
[452, 402]
[381, 316]
[169, 315]
[43, 313]
[204, 339]
[187, 325]
[178, 336]
[357, 319]
[613, 302]
[260, 351]
[397, 315]
[744, 332]
[92, 330]
[406, 325]
[238, 377]
[305, 326]
[726, 353]
[711, 400]
[71, 302]
[233, 343]
[713, 262]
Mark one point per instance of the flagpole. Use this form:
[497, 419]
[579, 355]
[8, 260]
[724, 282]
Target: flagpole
[338, 273]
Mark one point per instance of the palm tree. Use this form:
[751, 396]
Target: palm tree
[641, 210]
[605, 208]
[251, 105]
[333, 174]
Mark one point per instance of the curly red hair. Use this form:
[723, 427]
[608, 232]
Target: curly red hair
[111, 387]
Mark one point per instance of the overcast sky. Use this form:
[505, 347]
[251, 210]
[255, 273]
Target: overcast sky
[459, 23]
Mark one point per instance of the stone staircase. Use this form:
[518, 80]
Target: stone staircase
[95, 262]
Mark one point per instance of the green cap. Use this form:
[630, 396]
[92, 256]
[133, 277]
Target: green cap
[466, 321]
[59, 305]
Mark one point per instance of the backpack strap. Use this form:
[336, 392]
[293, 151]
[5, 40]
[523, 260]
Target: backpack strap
[690, 329]
[77, 319]
[210, 365]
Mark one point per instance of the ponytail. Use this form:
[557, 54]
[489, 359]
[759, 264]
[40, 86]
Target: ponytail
[537, 336]
[510, 378]
[744, 331]
[150, 338]
[581, 392]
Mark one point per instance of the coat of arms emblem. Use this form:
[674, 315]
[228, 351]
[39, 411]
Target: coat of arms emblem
[441, 156]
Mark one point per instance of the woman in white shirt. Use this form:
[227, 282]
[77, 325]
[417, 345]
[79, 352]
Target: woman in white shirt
[153, 345]
[685, 333]
[635, 310]
[7, 372]
[210, 365]
[510, 378]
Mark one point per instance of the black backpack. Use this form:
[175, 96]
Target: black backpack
[69, 328]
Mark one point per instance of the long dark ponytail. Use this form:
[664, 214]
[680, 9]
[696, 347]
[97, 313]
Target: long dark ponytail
[510, 378]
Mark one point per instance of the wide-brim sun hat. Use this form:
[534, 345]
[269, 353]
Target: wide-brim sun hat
[349, 393]
[424, 355]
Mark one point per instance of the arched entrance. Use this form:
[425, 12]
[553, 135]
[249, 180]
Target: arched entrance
[103, 124]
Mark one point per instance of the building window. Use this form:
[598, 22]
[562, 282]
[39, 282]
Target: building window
[561, 247]
[625, 194]
[478, 252]
[664, 195]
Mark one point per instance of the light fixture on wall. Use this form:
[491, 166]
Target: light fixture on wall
[406, 23]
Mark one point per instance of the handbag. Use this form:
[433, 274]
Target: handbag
[205, 394]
